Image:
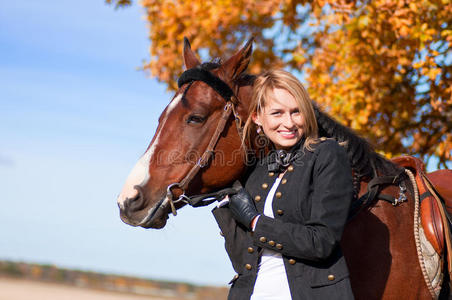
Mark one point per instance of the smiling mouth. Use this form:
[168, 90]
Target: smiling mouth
[288, 134]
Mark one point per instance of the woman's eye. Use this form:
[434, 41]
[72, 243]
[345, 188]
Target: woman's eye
[275, 113]
[195, 119]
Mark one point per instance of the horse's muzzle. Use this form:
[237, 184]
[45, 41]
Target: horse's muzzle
[134, 212]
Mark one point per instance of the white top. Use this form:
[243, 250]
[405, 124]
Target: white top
[271, 282]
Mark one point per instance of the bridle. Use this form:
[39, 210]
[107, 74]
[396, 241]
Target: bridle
[223, 89]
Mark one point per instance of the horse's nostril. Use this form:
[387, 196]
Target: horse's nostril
[135, 203]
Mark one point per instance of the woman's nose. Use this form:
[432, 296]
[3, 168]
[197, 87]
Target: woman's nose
[288, 121]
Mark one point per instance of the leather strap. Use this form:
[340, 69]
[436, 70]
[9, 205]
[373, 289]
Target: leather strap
[206, 199]
[373, 193]
[425, 195]
[208, 153]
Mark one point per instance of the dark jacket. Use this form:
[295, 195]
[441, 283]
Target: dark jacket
[310, 208]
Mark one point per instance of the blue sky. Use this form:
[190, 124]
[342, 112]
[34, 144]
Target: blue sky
[75, 115]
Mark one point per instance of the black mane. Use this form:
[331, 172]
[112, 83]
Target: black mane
[209, 65]
[363, 158]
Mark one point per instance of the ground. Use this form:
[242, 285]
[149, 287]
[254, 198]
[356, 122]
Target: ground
[21, 289]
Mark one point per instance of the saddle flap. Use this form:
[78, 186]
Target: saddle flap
[445, 222]
[430, 211]
[442, 183]
[432, 222]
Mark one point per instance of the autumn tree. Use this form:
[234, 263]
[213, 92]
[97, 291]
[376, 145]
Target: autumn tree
[382, 67]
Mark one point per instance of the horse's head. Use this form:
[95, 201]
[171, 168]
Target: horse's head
[176, 161]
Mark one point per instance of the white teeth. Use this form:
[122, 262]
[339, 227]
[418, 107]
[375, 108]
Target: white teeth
[287, 132]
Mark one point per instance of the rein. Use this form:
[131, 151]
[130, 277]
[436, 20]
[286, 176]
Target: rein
[198, 74]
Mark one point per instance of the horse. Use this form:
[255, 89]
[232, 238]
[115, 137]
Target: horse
[197, 150]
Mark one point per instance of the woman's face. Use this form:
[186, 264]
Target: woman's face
[281, 119]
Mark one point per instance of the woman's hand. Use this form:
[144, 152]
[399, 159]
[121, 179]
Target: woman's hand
[243, 209]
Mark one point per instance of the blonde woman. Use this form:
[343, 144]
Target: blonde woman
[282, 230]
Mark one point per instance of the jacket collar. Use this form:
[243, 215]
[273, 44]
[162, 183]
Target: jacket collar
[278, 160]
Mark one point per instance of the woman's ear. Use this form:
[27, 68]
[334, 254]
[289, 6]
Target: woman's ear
[256, 119]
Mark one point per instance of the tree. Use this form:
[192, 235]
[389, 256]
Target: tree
[382, 67]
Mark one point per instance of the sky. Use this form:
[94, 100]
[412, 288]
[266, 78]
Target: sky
[75, 116]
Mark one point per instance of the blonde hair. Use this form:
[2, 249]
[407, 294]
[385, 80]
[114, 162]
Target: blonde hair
[263, 87]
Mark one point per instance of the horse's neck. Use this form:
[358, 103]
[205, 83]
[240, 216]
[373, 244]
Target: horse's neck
[244, 95]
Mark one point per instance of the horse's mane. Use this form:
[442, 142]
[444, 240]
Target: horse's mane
[215, 63]
[363, 159]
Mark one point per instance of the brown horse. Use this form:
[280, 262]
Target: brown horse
[197, 149]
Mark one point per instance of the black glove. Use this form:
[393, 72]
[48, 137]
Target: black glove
[242, 208]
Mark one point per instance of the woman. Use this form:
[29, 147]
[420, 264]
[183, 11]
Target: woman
[282, 230]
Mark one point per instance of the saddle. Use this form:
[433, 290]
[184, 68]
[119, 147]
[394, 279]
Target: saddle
[443, 186]
[435, 194]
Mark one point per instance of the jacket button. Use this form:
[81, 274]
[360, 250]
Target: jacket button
[248, 267]
[271, 174]
[272, 243]
[264, 186]
[331, 277]
[280, 212]
[292, 261]
[290, 168]
[262, 239]
[278, 246]
[250, 250]
[284, 181]
[278, 195]
[257, 198]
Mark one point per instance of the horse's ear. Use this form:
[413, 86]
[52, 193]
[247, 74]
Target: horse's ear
[238, 63]
[190, 59]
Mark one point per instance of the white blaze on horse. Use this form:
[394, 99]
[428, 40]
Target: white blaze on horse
[139, 176]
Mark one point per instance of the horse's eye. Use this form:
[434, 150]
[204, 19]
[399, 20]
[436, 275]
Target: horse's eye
[195, 119]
